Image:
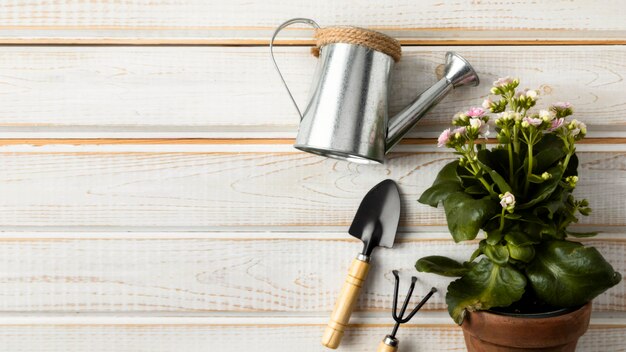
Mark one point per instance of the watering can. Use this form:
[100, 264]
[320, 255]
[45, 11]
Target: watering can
[346, 115]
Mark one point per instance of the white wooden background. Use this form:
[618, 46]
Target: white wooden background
[150, 199]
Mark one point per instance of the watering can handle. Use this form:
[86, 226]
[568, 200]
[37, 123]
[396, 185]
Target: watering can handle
[280, 28]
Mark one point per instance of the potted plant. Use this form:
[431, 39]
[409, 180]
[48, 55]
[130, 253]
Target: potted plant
[527, 286]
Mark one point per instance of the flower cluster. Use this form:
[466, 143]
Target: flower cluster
[471, 125]
[520, 193]
[518, 131]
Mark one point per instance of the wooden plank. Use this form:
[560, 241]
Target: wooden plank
[611, 143]
[240, 22]
[162, 335]
[196, 273]
[229, 187]
[234, 92]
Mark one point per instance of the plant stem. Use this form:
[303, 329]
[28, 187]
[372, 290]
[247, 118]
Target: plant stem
[530, 166]
[502, 220]
[515, 140]
[470, 154]
[566, 161]
[510, 164]
[484, 182]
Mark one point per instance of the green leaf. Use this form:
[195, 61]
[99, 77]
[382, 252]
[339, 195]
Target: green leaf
[545, 189]
[546, 158]
[440, 265]
[486, 285]
[567, 274]
[499, 158]
[446, 183]
[535, 179]
[498, 253]
[476, 189]
[553, 204]
[483, 160]
[551, 149]
[493, 237]
[549, 141]
[527, 216]
[466, 215]
[475, 255]
[581, 234]
[521, 253]
[572, 166]
[519, 238]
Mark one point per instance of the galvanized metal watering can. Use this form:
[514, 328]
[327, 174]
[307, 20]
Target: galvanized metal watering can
[346, 116]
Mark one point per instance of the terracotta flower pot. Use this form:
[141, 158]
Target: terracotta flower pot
[486, 331]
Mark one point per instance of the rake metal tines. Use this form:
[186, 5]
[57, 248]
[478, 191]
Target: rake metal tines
[390, 339]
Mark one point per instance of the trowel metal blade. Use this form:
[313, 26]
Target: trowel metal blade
[376, 221]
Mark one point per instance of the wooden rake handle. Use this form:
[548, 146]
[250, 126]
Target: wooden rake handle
[383, 347]
[388, 344]
[345, 303]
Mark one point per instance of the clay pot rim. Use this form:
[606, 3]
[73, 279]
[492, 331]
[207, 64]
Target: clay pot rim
[550, 314]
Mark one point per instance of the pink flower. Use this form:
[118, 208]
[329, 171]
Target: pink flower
[459, 130]
[533, 121]
[562, 105]
[556, 124]
[444, 138]
[503, 81]
[487, 103]
[475, 112]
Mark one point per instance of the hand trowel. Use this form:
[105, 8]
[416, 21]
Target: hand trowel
[375, 223]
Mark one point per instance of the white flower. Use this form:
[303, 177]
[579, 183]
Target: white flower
[583, 127]
[546, 115]
[503, 81]
[483, 132]
[475, 123]
[507, 201]
[576, 127]
[460, 118]
[509, 115]
[487, 103]
[505, 116]
[532, 94]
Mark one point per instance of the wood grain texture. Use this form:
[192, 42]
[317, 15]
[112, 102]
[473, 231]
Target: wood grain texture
[191, 338]
[234, 92]
[209, 190]
[241, 22]
[200, 275]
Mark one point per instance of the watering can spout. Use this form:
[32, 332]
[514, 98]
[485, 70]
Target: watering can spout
[458, 72]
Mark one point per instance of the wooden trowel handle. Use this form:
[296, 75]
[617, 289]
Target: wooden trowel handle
[345, 303]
